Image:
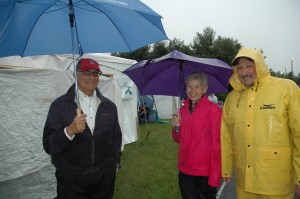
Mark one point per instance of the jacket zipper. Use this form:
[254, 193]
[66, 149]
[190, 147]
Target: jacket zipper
[93, 154]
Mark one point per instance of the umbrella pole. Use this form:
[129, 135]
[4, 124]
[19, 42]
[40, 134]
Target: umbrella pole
[144, 109]
[179, 84]
[71, 16]
[148, 132]
[78, 110]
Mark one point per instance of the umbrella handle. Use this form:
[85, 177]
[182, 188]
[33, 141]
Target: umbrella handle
[78, 112]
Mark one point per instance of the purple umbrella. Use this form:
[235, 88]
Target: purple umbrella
[166, 75]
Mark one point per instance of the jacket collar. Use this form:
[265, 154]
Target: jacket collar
[71, 94]
[203, 100]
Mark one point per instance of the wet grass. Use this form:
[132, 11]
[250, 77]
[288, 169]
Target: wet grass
[149, 167]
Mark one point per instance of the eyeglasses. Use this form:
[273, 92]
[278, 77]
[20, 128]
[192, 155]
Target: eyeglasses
[94, 73]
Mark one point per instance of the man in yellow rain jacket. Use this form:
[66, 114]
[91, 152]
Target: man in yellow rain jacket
[260, 133]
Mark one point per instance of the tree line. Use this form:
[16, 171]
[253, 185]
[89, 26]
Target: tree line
[204, 45]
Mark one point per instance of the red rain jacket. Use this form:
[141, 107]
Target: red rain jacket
[199, 141]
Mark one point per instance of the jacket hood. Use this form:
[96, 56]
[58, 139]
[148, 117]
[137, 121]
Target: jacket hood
[262, 71]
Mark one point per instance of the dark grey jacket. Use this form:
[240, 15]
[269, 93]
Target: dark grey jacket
[87, 152]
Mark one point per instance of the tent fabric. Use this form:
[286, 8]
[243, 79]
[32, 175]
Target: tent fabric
[25, 99]
[40, 184]
[111, 63]
[26, 95]
[164, 105]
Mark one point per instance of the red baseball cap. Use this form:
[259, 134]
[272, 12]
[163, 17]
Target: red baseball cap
[85, 64]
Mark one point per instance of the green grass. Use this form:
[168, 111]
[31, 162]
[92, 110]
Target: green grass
[149, 167]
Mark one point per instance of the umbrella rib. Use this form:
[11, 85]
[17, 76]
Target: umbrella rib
[90, 10]
[29, 35]
[60, 7]
[144, 68]
[178, 65]
[33, 21]
[76, 30]
[111, 22]
[101, 11]
[150, 79]
[91, 5]
[179, 60]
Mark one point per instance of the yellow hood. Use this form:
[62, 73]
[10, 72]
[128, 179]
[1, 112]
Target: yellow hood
[260, 131]
[262, 70]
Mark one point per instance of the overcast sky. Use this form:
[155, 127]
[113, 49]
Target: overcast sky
[270, 25]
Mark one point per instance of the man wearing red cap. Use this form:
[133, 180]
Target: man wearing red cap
[84, 147]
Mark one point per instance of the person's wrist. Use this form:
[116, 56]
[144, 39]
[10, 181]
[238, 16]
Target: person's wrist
[69, 131]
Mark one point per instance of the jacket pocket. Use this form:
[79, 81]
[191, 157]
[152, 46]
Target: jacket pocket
[274, 169]
[276, 153]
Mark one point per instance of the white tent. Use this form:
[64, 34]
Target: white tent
[28, 86]
[166, 106]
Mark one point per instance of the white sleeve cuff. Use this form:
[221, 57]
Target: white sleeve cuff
[69, 137]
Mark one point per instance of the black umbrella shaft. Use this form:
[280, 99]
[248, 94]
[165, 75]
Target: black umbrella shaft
[71, 16]
[180, 78]
[71, 13]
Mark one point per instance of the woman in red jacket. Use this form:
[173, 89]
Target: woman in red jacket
[199, 158]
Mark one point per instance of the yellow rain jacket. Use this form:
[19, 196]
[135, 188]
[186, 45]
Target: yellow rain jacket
[260, 131]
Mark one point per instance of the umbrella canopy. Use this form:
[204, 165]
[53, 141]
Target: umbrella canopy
[166, 75]
[35, 27]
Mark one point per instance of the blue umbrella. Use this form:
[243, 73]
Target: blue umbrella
[166, 75]
[37, 27]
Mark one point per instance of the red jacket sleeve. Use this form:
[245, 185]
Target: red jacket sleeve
[215, 161]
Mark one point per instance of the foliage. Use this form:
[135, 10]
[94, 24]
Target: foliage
[225, 49]
[149, 166]
[289, 75]
[138, 55]
[159, 49]
[177, 44]
[204, 45]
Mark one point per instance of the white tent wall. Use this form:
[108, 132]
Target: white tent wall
[23, 113]
[129, 104]
[166, 106]
[25, 99]
[111, 64]
[26, 95]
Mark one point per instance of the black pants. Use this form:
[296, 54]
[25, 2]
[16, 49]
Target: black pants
[195, 187]
[98, 185]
